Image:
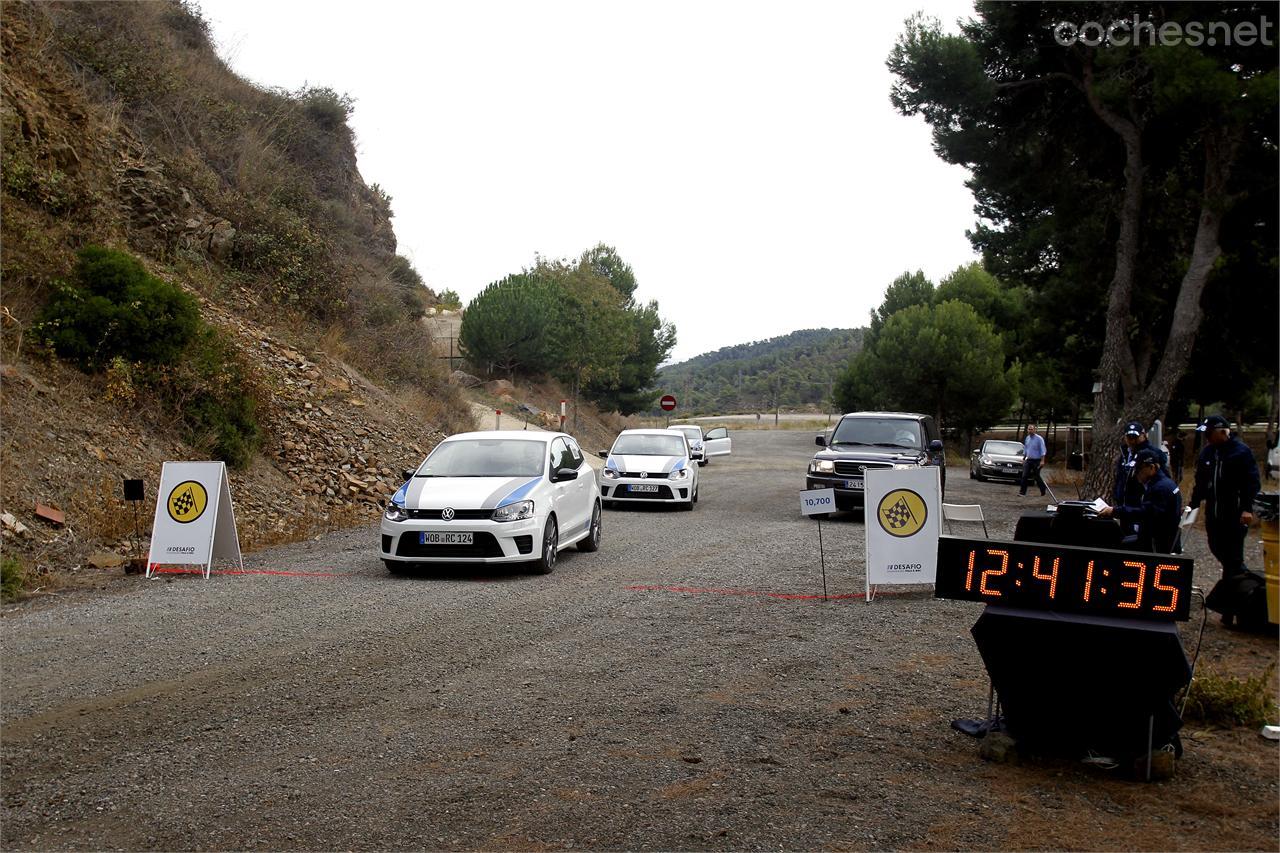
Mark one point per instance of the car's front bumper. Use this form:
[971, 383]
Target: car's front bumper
[668, 491]
[492, 541]
[1000, 472]
[849, 490]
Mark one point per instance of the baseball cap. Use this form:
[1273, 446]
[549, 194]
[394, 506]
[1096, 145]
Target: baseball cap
[1148, 454]
[1213, 422]
[1134, 428]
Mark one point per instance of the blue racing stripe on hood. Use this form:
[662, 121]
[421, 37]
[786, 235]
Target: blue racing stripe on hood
[679, 464]
[519, 494]
[611, 463]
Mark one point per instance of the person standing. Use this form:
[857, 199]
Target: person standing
[1160, 510]
[1127, 491]
[1032, 460]
[1176, 454]
[1227, 479]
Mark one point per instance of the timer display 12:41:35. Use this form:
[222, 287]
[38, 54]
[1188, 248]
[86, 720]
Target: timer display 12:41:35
[1063, 578]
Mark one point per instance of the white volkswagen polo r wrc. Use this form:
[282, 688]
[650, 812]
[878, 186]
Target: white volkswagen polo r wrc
[652, 465]
[494, 497]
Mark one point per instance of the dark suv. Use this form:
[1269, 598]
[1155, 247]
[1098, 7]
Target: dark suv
[863, 440]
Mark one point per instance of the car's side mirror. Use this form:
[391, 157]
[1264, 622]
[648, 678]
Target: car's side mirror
[563, 474]
[820, 440]
[407, 474]
[604, 454]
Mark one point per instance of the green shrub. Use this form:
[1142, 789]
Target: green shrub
[47, 187]
[1227, 701]
[116, 308]
[449, 300]
[219, 399]
[13, 578]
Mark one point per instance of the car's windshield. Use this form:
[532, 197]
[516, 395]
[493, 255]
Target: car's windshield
[649, 445]
[485, 457]
[694, 433]
[883, 432]
[1005, 448]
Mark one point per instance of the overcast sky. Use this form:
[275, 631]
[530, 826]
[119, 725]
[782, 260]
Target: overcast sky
[743, 157]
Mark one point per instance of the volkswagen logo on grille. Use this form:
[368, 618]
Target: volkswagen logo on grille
[447, 513]
[643, 475]
[862, 468]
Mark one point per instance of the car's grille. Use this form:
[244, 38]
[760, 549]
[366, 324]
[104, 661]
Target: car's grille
[663, 494]
[853, 469]
[484, 545]
[458, 514]
[524, 544]
[636, 475]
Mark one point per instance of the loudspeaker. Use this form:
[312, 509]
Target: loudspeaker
[1071, 683]
[133, 490]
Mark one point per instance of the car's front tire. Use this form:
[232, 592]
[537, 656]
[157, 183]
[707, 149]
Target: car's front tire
[592, 542]
[546, 562]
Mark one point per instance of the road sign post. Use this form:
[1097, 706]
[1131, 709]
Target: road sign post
[668, 404]
[819, 502]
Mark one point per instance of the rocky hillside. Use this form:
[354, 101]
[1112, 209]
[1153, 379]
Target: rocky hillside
[122, 128]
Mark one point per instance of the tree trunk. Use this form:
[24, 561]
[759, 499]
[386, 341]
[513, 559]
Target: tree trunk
[1150, 400]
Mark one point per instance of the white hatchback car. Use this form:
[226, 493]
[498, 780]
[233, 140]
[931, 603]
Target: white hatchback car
[650, 465]
[715, 442]
[491, 497]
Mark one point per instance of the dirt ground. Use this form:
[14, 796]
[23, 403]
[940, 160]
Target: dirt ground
[686, 687]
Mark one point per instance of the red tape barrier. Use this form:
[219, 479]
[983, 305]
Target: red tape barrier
[786, 596]
[160, 571]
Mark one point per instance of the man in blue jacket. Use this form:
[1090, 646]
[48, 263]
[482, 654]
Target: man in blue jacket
[1158, 512]
[1126, 490]
[1227, 478]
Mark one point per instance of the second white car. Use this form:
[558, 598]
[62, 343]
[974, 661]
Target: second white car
[649, 466]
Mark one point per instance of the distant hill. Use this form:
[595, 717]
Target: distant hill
[791, 372]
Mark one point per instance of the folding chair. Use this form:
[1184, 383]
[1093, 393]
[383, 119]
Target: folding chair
[964, 512]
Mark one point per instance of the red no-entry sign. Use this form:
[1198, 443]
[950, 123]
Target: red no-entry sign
[667, 402]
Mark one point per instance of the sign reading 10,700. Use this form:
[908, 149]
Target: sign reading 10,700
[818, 501]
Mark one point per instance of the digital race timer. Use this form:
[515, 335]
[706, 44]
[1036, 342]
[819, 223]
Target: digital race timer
[1038, 576]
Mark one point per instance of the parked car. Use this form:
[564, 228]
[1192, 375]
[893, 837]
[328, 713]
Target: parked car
[649, 465]
[693, 432]
[868, 440]
[715, 442]
[494, 497]
[996, 460]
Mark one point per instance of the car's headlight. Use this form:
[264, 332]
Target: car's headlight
[822, 466]
[985, 460]
[697, 445]
[679, 474]
[395, 512]
[609, 473]
[514, 512]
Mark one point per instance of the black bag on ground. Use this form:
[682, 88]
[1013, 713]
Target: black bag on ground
[1243, 596]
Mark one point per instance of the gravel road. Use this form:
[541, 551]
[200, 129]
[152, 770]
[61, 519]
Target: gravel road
[668, 692]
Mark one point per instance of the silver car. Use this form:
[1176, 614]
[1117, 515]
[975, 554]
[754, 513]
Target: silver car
[996, 460]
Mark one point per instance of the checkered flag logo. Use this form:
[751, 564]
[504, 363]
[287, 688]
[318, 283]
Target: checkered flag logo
[183, 503]
[898, 515]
